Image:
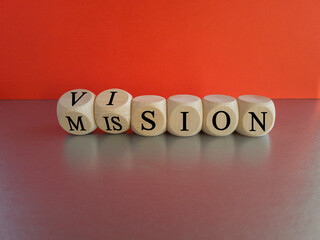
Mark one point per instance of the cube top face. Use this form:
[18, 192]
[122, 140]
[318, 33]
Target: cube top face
[256, 115]
[113, 98]
[149, 99]
[252, 99]
[76, 98]
[148, 115]
[215, 98]
[184, 98]
[184, 115]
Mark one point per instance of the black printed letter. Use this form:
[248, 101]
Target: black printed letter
[184, 117]
[76, 126]
[116, 123]
[214, 120]
[111, 98]
[153, 124]
[74, 101]
[254, 117]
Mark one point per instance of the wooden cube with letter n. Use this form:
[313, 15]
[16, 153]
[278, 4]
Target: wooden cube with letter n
[256, 115]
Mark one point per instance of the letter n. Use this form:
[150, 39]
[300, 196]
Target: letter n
[261, 124]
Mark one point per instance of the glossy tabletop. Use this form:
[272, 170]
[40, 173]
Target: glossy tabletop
[57, 186]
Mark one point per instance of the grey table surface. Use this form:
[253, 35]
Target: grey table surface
[57, 186]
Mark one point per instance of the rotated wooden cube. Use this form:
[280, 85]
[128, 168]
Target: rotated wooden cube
[75, 111]
[184, 115]
[112, 110]
[257, 115]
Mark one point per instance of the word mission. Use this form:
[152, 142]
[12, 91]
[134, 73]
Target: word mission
[114, 111]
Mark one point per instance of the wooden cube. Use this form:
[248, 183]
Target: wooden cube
[112, 110]
[184, 115]
[256, 115]
[220, 115]
[75, 111]
[148, 115]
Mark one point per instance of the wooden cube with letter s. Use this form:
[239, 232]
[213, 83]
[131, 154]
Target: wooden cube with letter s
[112, 109]
[149, 115]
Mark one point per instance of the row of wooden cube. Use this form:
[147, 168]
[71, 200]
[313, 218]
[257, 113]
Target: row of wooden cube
[114, 111]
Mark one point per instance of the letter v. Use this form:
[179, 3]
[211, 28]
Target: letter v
[74, 101]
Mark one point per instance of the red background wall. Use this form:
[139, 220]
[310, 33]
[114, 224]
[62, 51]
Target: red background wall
[160, 47]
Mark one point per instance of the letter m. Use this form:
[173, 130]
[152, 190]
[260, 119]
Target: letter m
[76, 126]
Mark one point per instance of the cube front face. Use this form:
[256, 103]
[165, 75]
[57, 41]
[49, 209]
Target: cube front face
[112, 109]
[220, 121]
[184, 115]
[148, 115]
[256, 115]
[75, 112]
